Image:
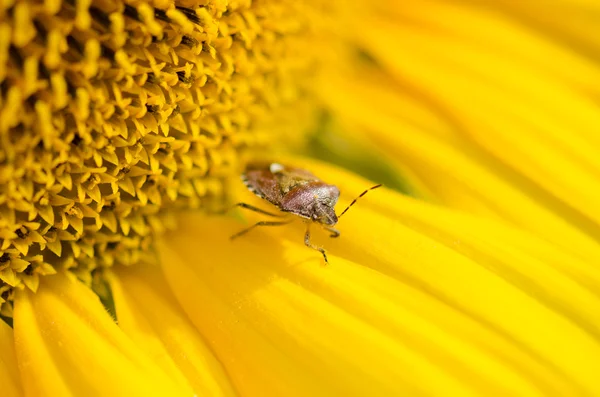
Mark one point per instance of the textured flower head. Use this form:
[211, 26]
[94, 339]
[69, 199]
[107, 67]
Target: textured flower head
[111, 112]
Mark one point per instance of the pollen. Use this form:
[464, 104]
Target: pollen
[112, 113]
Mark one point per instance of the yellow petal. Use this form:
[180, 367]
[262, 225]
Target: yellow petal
[455, 302]
[506, 115]
[425, 318]
[67, 344]
[9, 373]
[451, 227]
[569, 21]
[149, 314]
[458, 177]
[463, 27]
[277, 337]
[510, 103]
[539, 293]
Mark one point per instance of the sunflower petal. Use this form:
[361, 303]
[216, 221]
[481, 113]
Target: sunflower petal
[506, 120]
[149, 314]
[67, 344]
[9, 373]
[276, 336]
[467, 183]
[421, 312]
[534, 287]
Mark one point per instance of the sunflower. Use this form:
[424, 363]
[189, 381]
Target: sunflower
[124, 128]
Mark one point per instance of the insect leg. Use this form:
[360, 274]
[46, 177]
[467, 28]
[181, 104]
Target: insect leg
[310, 245]
[262, 223]
[334, 232]
[256, 209]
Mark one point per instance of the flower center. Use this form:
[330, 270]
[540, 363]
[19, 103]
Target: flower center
[112, 112]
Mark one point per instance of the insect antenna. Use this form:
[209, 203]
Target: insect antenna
[356, 199]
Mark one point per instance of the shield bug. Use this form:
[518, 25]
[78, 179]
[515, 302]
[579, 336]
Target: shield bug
[296, 192]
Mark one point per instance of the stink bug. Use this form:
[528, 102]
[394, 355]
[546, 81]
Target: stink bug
[297, 192]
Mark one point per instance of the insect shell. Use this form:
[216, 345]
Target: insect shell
[294, 190]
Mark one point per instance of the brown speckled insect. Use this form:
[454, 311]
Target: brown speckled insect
[297, 192]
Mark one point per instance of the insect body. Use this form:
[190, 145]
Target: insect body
[297, 192]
